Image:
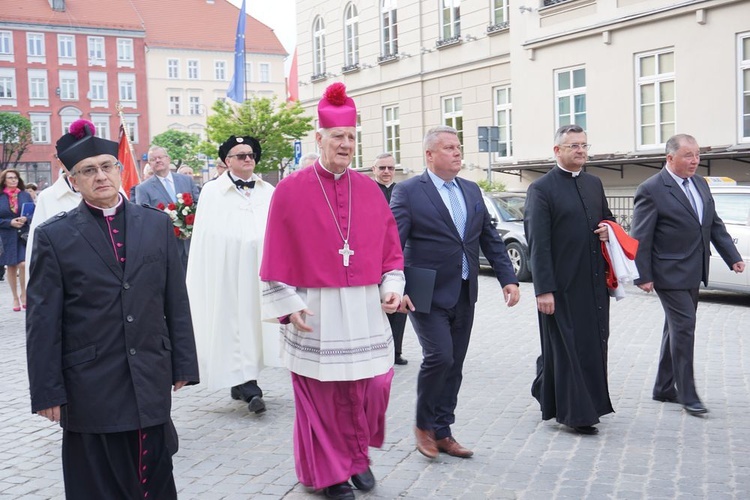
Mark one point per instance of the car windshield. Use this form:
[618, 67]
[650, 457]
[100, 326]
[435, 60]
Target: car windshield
[510, 207]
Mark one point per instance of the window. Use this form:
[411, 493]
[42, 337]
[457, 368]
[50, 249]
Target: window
[319, 48]
[131, 128]
[126, 84]
[391, 133]
[125, 52]
[101, 123]
[248, 72]
[388, 29]
[265, 72]
[570, 91]
[7, 86]
[357, 160]
[35, 47]
[6, 45]
[192, 68]
[503, 119]
[38, 85]
[220, 70]
[174, 105]
[453, 115]
[66, 49]
[655, 96]
[39, 128]
[500, 13]
[96, 51]
[68, 115]
[98, 87]
[351, 36]
[195, 105]
[744, 87]
[173, 68]
[450, 19]
[69, 85]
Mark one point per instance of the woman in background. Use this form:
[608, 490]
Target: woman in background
[12, 197]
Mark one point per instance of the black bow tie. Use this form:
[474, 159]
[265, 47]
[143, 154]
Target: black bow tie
[244, 184]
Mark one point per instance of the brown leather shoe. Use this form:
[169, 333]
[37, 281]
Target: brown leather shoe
[426, 442]
[451, 447]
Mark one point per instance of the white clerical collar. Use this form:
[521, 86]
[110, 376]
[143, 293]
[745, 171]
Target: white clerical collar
[386, 185]
[574, 174]
[335, 175]
[106, 212]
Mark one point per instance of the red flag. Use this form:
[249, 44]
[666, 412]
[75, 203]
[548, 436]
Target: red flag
[125, 155]
[293, 81]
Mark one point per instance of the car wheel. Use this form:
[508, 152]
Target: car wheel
[519, 260]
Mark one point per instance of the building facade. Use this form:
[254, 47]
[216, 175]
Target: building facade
[631, 72]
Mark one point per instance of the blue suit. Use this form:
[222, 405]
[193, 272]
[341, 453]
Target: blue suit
[430, 240]
[152, 192]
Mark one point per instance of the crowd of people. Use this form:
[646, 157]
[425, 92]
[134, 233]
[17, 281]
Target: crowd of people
[123, 307]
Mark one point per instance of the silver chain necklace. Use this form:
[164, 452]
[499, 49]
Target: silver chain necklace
[345, 251]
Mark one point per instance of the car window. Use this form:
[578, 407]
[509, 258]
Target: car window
[510, 208]
[733, 208]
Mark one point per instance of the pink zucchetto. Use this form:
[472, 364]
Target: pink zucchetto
[336, 109]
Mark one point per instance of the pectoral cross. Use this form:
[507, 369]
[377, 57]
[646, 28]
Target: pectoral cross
[346, 252]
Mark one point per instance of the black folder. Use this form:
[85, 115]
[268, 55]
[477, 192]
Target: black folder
[420, 283]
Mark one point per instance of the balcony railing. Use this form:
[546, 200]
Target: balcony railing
[445, 42]
[385, 58]
[351, 68]
[494, 28]
[547, 3]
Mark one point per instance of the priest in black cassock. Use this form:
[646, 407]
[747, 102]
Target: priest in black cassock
[564, 209]
[108, 331]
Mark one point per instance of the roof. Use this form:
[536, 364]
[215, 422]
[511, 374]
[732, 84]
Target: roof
[202, 24]
[113, 14]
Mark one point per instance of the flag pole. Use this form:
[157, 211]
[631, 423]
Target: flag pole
[124, 129]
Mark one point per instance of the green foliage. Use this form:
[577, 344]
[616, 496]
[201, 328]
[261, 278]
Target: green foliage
[275, 124]
[15, 137]
[490, 187]
[182, 147]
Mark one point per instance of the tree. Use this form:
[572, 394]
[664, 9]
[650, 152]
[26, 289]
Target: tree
[275, 125]
[182, 147]
[15, 137]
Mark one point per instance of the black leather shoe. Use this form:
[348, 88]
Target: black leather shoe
[256, 405]
[341, 491]
[364, 481]
[695, 409]
[665, 399]
[588, 430]
[401, 361]
[235, 393]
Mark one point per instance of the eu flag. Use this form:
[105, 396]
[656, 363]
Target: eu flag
[236, 90]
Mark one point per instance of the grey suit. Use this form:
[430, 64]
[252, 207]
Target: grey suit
[673, 253]
[152, 192]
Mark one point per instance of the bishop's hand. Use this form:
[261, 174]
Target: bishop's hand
[298, 320]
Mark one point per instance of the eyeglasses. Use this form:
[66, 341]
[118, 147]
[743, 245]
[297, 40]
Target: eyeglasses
[156, 158]
[576, 146]
[91, 171]
[383, 168]
[243, 156]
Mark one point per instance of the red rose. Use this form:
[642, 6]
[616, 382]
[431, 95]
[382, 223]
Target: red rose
[176, 231]
[160, 206]
[189, 219]
[187, 199]
[171, 206]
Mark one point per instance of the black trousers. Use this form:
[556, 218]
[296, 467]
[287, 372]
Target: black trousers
[398, 324]
[120, 465]
[444, 336]
[675, 374]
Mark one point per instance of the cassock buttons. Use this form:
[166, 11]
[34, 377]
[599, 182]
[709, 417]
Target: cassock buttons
[129, 318]
[132, 351]
[126, 286]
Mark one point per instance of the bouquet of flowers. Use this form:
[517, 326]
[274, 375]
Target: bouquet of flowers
[182, 214]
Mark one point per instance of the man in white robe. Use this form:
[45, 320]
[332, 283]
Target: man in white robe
[222, 276]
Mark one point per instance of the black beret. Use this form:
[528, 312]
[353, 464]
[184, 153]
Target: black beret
[234, 141]
[81, 143]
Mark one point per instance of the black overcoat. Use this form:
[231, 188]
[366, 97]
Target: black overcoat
[560, 217]
[106, 342]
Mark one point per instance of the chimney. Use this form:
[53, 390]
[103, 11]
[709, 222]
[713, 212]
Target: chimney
[57, 5]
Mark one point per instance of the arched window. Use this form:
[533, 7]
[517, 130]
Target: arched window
[319, 47]
[351, 36]
[388, 29]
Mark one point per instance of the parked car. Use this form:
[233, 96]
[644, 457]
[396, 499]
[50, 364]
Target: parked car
[733, 206]
[506, 210]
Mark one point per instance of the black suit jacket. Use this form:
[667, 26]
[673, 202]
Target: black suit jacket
[673, 245]
[430, 239]
[107, 343]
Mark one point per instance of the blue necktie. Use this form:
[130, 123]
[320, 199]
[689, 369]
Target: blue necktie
[459, 219]
[170, 189]
[686, 184]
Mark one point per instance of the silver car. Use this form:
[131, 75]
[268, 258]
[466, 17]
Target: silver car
[733, 206]
[506, 211]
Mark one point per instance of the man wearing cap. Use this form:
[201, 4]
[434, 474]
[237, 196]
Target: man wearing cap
[163, 187]
[222, 277]
[331, 275]
[108, 331]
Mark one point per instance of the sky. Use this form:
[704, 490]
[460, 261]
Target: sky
[279, 15]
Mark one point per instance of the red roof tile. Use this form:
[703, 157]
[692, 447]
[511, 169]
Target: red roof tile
[113, 14]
